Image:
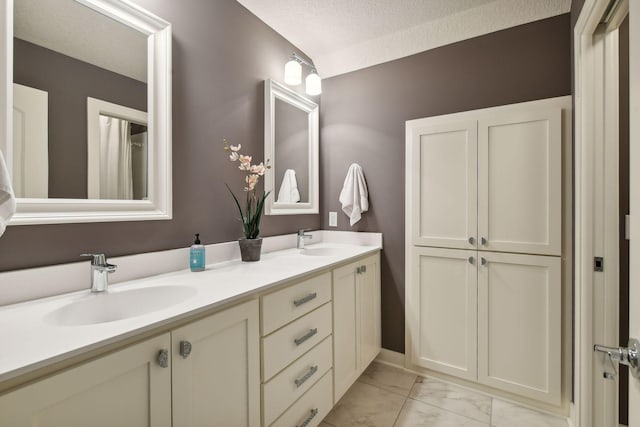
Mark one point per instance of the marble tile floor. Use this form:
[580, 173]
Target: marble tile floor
[385, 396]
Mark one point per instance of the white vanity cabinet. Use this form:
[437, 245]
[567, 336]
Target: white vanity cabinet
[216, 369]
[264, 361]
[356, 319]
[297, 352]
[125, 388]
[217, 382]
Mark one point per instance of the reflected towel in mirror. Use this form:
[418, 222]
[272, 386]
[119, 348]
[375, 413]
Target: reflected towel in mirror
[289, 188]
[7, 198]
[354, 196]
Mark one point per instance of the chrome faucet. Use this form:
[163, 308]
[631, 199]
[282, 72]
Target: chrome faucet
[100, 270]
[302, 237]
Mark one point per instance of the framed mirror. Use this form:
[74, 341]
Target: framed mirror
[87, 121]
[291, 144]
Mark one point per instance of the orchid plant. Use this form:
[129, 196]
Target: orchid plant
[254, 205]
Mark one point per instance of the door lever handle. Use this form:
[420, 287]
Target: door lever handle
[624, 355]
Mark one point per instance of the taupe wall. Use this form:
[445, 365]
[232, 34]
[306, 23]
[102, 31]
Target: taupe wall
[68, 83]
[363, 118]
[221, 56]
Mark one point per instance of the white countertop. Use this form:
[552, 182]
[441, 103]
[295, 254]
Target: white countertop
[30, 341]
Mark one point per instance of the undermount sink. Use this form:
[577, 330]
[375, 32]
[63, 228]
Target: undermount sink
[112, 306]
[323, 251]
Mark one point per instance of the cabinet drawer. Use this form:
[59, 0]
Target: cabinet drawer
[312, 407]
[283, 306]
[300, 376]
[287, 344]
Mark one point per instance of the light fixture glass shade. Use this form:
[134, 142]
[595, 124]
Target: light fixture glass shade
[293, 72]
[313, 83]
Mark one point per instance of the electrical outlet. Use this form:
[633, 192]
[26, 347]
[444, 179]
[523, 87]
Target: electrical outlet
[333, 219]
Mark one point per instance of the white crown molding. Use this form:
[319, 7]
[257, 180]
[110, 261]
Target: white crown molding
[343, 36]
[488, 18]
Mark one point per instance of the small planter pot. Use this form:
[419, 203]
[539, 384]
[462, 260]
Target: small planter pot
[250, 249]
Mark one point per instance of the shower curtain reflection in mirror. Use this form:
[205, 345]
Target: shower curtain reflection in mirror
[122, 174]
[118, 152]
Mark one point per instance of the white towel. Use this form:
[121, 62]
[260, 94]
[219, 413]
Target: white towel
[7, 199]
[354, 195]
[289, 188]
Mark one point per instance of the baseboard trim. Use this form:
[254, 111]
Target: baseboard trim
[390, 357]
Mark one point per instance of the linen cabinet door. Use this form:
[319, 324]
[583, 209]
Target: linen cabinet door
[442, 183]
[520, 324]
[369, 308]
[520, 181]
[125, 388]
[216, 370]
[441, 311]
[346, 356]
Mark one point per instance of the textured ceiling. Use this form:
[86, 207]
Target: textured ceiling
[346, 35]
[69, 28]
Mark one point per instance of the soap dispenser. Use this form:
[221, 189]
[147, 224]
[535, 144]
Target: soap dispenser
[196, 255]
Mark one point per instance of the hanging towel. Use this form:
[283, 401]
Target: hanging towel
[289, 188]
[7, 199]
[354, 195]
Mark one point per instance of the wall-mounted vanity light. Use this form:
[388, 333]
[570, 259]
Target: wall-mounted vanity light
[293, 75]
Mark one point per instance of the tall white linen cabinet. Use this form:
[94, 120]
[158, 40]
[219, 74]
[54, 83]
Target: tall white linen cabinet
[488, 250]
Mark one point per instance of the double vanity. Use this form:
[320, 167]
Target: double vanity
[272, 343]
[269, 343]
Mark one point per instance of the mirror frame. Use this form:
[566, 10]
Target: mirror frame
[273, 90]
[159, 205]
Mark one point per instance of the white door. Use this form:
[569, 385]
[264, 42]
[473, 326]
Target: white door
[443, 183]
[442, 311]
[519, 180]
[519, 324]
[217, 381]
[596, 297]
[634, 255]
[345, 337]
[125, 388]
[369, 309]
[30, 175]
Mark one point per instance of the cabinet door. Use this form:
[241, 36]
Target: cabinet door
[441, 311]
[345, 339]
[519, 324]
[369, 310]
[218, 383]
[520, 181]
[442, 199]
[125, 388]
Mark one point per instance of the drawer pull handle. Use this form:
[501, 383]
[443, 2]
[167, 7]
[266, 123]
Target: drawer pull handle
[304, 299]
[306, 376]
[163, 358]
[306, 336]
[185, 349]
[311, 416]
